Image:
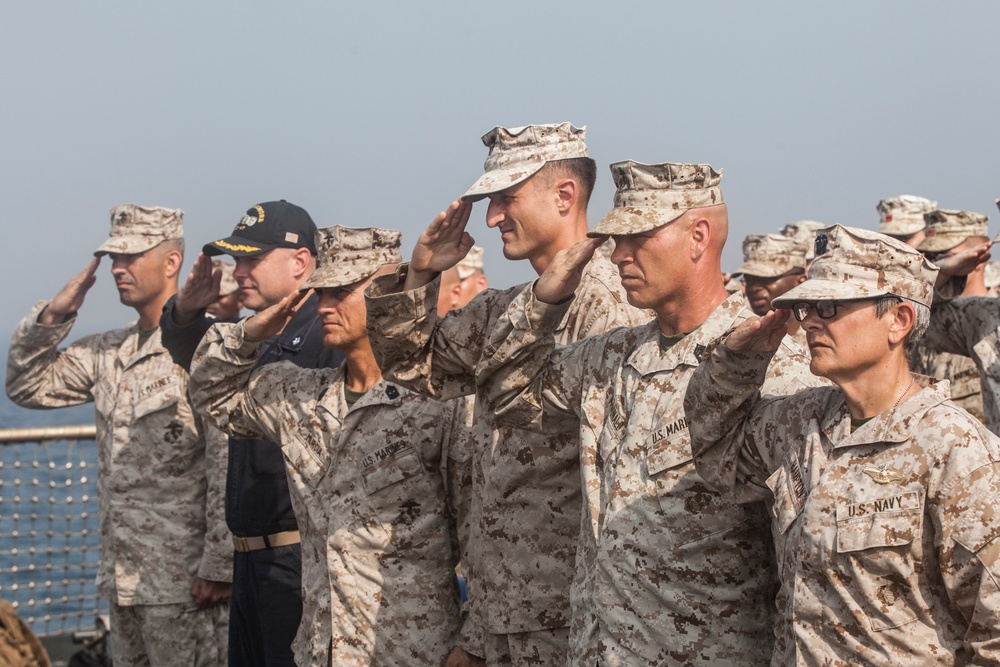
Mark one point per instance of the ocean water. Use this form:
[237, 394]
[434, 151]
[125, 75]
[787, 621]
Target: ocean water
[49, 531]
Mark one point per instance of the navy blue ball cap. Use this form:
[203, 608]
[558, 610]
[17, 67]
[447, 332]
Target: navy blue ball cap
[264, 227]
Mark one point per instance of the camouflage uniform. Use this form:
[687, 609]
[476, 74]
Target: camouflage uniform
[946, 230]
[153, 468]
[526, 513]
[668, 572]
[383, 487]
[527, 508]
[152, 463]
[379, 544]
[961, 373]
[888, 537]
[970, 326]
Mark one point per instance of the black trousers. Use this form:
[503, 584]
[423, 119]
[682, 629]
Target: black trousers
[265, 607]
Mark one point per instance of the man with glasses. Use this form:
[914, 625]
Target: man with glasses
[885, 495]
[669, 572]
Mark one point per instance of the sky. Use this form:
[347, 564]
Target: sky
[370, 114]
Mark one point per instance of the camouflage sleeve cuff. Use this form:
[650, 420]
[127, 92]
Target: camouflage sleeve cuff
[472, 638]
[385, 296]
[48, 333]
[217, 567]
[234, 338]
[950, 290]
[749, 367]
[538, 315]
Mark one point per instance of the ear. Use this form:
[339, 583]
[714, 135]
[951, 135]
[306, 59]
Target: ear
[481, 282]
[301, 261]
[701, 235]
[903, 317]
[567, 192]
[172, 263]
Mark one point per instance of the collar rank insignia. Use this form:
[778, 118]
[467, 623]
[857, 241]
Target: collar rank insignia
[883, 474]
[297, 340]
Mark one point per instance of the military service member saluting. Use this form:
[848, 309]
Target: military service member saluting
[274, 247]
[948, 234]
[527, 503]
[163, 576]
[885, 495]
[669, 572]
[902, 218]
[383, 473]
[772, 265]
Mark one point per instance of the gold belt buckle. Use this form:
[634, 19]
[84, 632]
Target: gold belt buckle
[241, 543]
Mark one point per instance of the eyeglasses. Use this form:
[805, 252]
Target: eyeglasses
[824, 309]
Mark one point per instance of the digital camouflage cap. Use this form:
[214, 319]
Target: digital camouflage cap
[771, 255]
[648, 196]
[805, 232]
[947, 229]
[228, 284]
[471, 264]
[135, 229]
[349, 254]
[854, 263]
[903, 215]
[518, 153]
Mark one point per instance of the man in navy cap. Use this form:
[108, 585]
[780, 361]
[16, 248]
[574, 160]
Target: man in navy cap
[274, 248]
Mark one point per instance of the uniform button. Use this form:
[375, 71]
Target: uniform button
[391, 392]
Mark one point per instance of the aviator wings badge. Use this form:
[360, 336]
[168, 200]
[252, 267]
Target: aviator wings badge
[883, 474]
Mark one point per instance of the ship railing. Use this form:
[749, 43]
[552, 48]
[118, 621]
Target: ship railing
[50, 542]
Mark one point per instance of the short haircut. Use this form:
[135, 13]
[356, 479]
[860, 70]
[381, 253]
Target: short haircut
[583, 170]
[170, 245]
[921, 320]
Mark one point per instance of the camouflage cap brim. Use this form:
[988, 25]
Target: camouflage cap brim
[769, 269]
[236, 246]
[622, 221]
[339, 276]
[901, 227]
[128, 245]
[498, 180]
[826, 290]
[941, 242]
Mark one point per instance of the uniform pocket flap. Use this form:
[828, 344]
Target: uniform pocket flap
[669, 454]
[879, 522]
[158, 396]
[386, 467]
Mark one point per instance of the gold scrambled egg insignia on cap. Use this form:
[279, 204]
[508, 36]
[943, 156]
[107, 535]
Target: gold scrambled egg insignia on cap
[236, 247]
[883, 474]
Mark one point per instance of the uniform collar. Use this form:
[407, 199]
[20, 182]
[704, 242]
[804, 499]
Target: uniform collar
[693, 349]
[332, 400]
[129, 352]
[892, 426]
